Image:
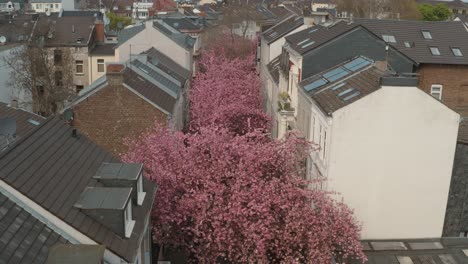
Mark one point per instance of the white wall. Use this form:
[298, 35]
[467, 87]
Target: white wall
[44, 7]
[93, 66]
[391, 158]
[151, 37]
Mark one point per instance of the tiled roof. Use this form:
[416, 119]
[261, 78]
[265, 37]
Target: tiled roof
[310, 38]
[52, 168]
[445, 35]
[416, 251]
[166, 64]
[337, 87]
[104, 49]
[129, 32]
[23, 238]
[182, 39]
[282, 28]
[274, 68]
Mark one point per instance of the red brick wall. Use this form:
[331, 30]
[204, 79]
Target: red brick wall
[455, 84]
[113, 114]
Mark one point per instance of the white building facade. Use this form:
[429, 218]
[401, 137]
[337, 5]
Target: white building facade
[46, 6]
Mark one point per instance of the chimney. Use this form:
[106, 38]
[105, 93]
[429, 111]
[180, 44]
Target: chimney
[14, 103]
[309, 20]
[114, 73]
[99, 27]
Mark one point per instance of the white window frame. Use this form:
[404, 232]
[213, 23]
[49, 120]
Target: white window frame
[389, 38]
[140, 191]
[128, 219]
[457, 49]
[432, 49]
[437, 94]
[99, 63]
[428, 35]
[79, 63]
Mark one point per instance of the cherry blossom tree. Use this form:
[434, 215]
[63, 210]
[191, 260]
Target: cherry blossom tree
[241, 199]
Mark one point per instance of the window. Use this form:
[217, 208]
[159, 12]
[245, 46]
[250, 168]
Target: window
[39, 6]
[464, 234]
[128, 218]
[128, 212]
[436, 91]
[140, 192]
[457, 52]
[426, 34]
[51, 5]
[79, 88]
[56, 6]
[100, 65]
[409, 44]
[115, 8]
[58, 78]
[57, 56]
[79, 67]
[389, 38]
[435, 51]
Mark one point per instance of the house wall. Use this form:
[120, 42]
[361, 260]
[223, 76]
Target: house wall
[392, 162]
[44, 7]
[93, 66]
[454, 81]
[80, 53]
[151, 37]
[113, 114]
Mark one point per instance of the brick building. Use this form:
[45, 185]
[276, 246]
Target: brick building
[128, 100]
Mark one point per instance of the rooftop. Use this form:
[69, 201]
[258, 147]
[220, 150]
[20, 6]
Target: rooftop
[65, 31]
[103, 198]
[282, 28]
[129, 32]
[52, 168]
[104, 49]
[166, 64]
[183, 24]
[182, 39]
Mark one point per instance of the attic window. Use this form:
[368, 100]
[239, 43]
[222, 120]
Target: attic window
[435, 51]
[389, 38]
[140, 192]
[426, 34]
[129, 222]
[457, 52]
[34, 122]
[408, 44]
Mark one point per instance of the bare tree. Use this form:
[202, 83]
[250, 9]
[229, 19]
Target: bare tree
[239, 16]
[404, 9]
[46, 74]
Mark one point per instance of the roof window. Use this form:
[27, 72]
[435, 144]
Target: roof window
[426, 34]
[457, 52]
[409, 44]
[389, 38]
[435, 51]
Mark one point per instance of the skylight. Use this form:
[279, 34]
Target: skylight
[308, 44]
[389, 38]
[345, 92]
[457, 52]
[357, 64]
[304, 41]
[34, 122]
[336, 74]
[313, 30]
[435, 51]
[338, 86]
[315, 84]
[426, 34]
[351, 96]
[408, 44]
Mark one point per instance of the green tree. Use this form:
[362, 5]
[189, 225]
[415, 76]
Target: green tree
[439, 12]
[118, 22]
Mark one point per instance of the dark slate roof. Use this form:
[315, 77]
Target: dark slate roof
[104, 49]
[444, 36]
[462, 17]
[181, 39]
[18, 29]
[456, 215]
[62, 28]
[52, 168]
[150, 91]
[282, 28]
[89, 13]
[76, 254]
[23, 238]
[310, 38]
[274, 68]
[129, 32]
[166, 64]
[183, 24]
[330, 96]
[416, 251]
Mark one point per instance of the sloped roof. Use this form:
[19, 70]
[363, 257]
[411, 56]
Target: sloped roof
[166, 64]
[445, 35]
[52, 168]
[181, 39]
[107, 49]
[67, 31]
[183, 24]
[282, 28]
[129, 32]
[17, 29]
[24, 238]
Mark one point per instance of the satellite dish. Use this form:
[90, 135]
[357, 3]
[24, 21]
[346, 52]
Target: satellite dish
[2, 39]
[68, 115]
[47, 13]
[8, 126]
[120, 25]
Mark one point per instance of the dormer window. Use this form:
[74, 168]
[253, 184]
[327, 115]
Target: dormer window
[140, 192]
[457, 52]
[128, 218]
[389, 38]
[426, 34]
[435, 51]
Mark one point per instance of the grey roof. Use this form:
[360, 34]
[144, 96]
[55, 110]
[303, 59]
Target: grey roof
[338, 87]
[183, 24]
[166, 82]
[89, 13]
[127, 171]
[66, 31]
[456, 215]
[282, 28]
[415, 251]
[52, 168]
[104, 49]
[17, 29]
[166, 64]
[103, 198]
[76, 254]
[181, 39]
[23, 238]
[46, 1]
[129, 32]
[445, 35]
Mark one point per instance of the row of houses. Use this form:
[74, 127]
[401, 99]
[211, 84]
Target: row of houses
[385, 102]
